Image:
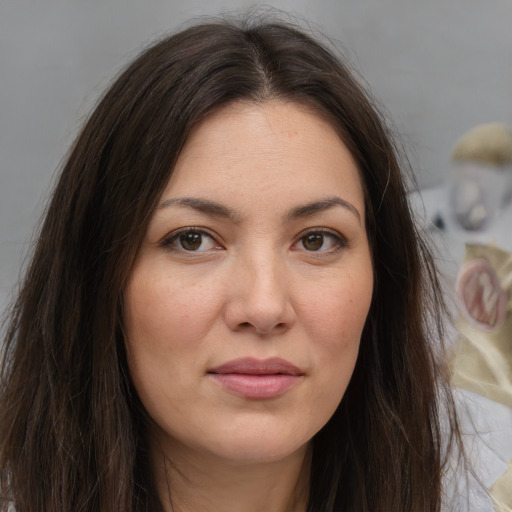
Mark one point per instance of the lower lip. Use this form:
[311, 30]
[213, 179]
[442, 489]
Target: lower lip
[256, 386]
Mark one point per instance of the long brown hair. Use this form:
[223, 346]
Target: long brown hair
[72, 428]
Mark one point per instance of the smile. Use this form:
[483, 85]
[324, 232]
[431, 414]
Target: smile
[257, 379]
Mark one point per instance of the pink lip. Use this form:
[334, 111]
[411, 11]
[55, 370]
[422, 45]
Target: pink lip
[257, 379]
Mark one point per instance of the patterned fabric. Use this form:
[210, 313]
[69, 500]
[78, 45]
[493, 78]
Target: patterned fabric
[482, 360]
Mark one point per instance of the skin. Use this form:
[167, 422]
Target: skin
[252, 284]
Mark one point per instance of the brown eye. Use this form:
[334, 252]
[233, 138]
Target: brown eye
[321, 241]
[313, 241]
[190, 241]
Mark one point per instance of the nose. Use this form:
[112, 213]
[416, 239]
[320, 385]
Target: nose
[259, 297]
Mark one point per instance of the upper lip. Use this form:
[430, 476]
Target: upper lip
[253, 366]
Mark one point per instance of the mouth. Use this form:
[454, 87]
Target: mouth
[257, 379]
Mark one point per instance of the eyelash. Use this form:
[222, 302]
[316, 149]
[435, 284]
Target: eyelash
[169, 241]
[339, 242]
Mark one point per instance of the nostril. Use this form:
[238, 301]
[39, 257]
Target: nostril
[249, 326]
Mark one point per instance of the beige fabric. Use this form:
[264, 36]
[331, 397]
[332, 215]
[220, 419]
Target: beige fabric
[501, 492]
[482, 360]
[489, 143]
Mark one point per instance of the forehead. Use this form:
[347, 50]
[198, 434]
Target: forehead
[253, 149]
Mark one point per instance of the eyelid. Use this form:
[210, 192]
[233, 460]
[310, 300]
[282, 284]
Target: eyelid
[340, 240]
[167, 241]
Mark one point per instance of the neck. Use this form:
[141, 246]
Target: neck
[206, 483]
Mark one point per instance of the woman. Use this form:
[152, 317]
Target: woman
[228, 307]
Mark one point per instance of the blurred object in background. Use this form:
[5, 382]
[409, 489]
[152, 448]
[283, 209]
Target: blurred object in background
[482, 175]
[482, 356]
[471, 262]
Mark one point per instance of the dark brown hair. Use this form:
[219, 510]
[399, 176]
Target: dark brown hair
[72, 428]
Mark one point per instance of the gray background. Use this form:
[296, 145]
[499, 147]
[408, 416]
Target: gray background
[439, 66]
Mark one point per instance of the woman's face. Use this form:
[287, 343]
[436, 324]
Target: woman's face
[246, 304]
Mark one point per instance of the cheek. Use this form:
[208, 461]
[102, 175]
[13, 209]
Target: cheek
[169, 313]
[335, 317]
[165, 324]
[335, 314]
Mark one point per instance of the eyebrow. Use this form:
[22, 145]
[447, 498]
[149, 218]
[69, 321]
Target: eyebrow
[204, 206]
[209, 207]
[314, 207]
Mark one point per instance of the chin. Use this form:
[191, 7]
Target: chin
[252, 445]
[259, 452]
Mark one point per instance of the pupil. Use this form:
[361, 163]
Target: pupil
[190, 241]
[313, 242]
